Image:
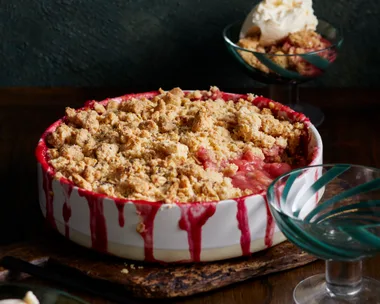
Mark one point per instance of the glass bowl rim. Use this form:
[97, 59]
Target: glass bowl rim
[270, 190]
[235, 46]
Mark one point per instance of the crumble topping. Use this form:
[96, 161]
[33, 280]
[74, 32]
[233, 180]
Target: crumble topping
[174, 147]
[301, 42]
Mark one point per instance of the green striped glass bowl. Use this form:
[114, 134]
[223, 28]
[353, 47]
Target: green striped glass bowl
[335, 217]
[318, 61]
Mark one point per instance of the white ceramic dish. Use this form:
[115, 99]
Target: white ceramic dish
[173, 233]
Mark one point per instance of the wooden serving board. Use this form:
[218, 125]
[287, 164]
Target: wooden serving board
[149, 280]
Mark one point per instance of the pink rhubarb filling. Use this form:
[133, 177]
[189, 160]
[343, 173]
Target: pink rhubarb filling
[253, 173]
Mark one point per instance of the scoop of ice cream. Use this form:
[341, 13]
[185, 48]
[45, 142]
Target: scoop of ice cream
[276, 19]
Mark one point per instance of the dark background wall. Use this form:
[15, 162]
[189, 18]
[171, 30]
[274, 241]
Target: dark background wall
[153, 43]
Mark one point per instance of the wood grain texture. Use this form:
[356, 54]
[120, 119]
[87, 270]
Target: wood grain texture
[152, 280]
[351, 134]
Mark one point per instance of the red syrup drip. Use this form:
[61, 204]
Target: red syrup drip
[193, 218]
[278, 191]
[243, 225]
[98, 225]
[269, 231]
[316, 176]
[66, 210]
[120, 208]
[48, 188]
[148, 213]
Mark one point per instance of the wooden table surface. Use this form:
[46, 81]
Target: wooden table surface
[351, 134]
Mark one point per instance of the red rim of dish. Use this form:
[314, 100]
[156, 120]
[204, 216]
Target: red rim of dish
[278, 109]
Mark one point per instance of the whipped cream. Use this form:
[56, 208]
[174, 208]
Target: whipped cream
[278, 18]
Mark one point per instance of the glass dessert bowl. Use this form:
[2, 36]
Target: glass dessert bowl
[171, 176]
[298, 58]
[336, 218]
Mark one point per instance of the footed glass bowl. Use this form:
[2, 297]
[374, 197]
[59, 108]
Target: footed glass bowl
[284, 82]
[336, 217]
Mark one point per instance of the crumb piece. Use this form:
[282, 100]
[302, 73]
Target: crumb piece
[99, 108]
[140, 228]
[125, 271]
[30, 298]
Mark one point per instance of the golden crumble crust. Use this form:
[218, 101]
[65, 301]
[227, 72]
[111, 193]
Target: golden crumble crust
[174, 147]
[301, 42]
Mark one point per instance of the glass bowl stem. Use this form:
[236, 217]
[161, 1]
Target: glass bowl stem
[288, 94]
[343, 278]
[284, 93]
